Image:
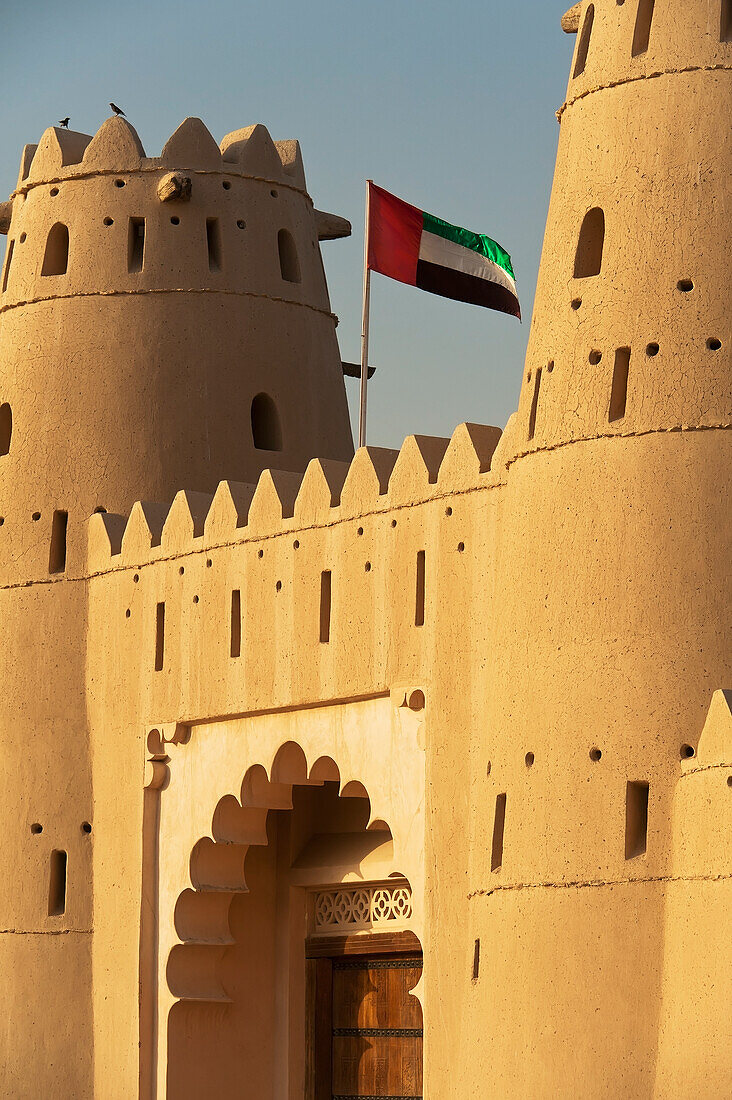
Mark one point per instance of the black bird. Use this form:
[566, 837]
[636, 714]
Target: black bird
[117, 110]
[64, 122]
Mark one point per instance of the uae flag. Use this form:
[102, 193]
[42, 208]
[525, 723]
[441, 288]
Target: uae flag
[416, 248]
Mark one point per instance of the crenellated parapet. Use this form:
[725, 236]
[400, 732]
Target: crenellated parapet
[192, 217]
[377, 481]
[341, 566]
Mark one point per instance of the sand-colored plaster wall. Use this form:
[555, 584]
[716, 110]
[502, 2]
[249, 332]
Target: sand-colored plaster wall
[626, 647]
[633, 303]
[694, 1025]
[45, 790]
[684, 36]
[614, 684]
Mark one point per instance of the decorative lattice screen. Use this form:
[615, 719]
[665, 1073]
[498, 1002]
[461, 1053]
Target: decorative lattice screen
[354, 908]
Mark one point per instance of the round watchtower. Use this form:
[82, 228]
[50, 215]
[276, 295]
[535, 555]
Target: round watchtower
[164, 323]
[613, 568]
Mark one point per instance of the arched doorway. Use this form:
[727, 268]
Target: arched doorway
[295, 962]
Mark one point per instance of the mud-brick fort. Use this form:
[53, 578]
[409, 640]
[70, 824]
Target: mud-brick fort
[402, 774]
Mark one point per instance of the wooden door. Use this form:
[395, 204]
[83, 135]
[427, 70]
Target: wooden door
[370, 1028]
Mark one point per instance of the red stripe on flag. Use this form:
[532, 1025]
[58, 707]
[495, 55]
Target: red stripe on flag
[395, 232]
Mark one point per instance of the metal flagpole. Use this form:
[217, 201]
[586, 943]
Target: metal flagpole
[365, 324]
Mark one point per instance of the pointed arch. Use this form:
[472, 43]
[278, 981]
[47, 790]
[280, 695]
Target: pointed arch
[583, 45]
[590, 245]
[266, 427]
[289, 262]
[56, 256]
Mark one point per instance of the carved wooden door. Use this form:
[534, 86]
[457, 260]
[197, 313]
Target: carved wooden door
[370, 1028]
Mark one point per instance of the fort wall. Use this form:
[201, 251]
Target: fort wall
[531, 624]
[563, 865]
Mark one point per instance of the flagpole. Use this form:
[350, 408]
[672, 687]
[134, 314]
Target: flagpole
[365, 324]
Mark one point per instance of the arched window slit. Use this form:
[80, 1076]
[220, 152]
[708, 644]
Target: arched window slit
[56, 257]
[289, 262]
[266, 428]
[590, 245]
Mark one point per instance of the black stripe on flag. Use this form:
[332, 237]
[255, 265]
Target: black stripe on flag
[466, 288]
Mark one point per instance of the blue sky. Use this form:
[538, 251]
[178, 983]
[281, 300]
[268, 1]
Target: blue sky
[451, 106]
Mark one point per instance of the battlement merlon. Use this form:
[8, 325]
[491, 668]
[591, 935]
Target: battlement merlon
[116, 147]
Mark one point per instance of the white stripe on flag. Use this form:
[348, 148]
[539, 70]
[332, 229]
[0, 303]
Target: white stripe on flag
[456, 257]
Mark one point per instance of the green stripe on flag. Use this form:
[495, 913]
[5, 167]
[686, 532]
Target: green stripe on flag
[476, 242]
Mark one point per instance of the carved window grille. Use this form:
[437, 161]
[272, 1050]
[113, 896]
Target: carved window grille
[362, 908]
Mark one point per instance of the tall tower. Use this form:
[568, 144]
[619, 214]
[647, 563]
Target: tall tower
[164, 324]
[613, 569]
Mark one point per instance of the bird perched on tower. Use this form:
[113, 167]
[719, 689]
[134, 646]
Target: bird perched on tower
[65, 122]
[117, 110]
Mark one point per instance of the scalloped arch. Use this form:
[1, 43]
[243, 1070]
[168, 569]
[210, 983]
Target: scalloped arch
[218, 863]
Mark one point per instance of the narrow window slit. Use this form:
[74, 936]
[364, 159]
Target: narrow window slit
[159, 637]
[213, 241]
[136, 245]
[325, 604]
[6, 428]
[8, 261]
[726, 24]
[643, 21]
[584, 42]
[619, 392]
[236, 623]
[57, 884]
[636, 819]
[534, 404]
[499, 822]
[476, 960]
[419, 601]
[57, 556]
